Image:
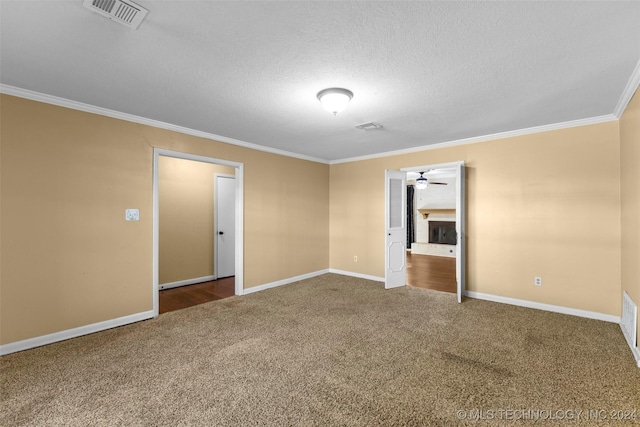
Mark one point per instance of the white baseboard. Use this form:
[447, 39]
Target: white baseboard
[266, 286]
[546, 307]
[73, 333]
[358, 275]
[186, 282]
[121, 321]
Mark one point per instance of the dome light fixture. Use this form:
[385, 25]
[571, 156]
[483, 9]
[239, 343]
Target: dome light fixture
[335, 99]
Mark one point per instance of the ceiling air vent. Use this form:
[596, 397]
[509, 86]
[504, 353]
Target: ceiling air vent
[125, 12]
[369, 126]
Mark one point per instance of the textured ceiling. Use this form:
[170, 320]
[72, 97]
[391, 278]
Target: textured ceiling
[429, 72]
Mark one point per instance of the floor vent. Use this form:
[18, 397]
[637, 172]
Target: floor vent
[629, 321]
[124, 12]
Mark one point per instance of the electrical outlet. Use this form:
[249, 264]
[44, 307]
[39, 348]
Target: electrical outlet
[537, 281]
[132, 215]
[355, 258]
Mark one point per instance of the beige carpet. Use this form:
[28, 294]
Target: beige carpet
[330, 351]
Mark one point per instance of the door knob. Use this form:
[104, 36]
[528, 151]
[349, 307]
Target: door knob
[221, 232]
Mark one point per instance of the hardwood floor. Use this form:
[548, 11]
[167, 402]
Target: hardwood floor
[431, 272]
[187, 296]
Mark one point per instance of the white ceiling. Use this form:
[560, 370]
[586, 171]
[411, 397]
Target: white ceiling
[429, 72]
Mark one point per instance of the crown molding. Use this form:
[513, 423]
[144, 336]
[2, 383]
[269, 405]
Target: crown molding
[484, 138]
[88, 108]
[627, 93]
[630, 89]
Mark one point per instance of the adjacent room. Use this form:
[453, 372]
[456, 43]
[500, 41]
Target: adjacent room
[196, 212]
[319, 213]
[431, 229]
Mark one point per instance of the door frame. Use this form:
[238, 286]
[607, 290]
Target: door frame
[461, 218]
[215, 217]
[239, 218]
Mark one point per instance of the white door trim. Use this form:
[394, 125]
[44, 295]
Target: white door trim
[460, 218]
[239, 221]
[461, 221]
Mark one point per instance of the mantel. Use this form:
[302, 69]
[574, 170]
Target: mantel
[425, 212]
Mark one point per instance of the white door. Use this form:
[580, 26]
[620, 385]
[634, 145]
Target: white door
[224, 220]
[395, 229]
[460, 230]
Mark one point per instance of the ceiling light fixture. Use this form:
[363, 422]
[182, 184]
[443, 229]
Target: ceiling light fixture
[335, 99]
[421, 182]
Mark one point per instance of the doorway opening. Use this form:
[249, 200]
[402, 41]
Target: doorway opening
[188, 275]
[431, 230]
[444, 259]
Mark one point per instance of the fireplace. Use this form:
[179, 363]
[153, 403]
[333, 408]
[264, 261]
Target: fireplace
[443, 232]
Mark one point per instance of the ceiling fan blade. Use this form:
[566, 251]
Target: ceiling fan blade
[438, 183]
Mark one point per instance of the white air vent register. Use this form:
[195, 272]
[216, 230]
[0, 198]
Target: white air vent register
[125, 12]
[369, 126]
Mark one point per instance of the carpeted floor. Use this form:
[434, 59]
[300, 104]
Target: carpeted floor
[331, 351]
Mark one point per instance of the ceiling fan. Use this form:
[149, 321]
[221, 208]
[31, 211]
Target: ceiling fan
[422, 182]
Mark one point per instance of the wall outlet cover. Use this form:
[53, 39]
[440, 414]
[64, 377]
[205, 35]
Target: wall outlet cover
[132, 215]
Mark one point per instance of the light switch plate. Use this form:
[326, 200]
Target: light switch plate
[132, 215]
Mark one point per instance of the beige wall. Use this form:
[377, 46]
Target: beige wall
[630, 188]
[534, 203]
[186, 239]
[70, 259]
